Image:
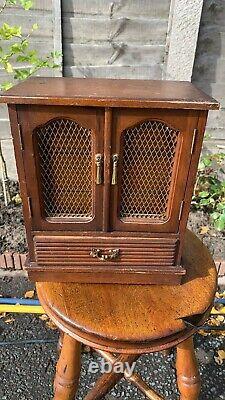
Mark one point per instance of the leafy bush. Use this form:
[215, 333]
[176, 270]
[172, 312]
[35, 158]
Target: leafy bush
[19, 62]
[16, 49]
[209, 194]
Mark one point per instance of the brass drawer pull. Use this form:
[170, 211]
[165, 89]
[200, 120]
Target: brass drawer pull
[98, 253]
[115, 159]
[98, 163]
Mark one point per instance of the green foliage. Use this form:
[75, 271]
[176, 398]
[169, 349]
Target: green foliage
[15, 50]
[209, 195]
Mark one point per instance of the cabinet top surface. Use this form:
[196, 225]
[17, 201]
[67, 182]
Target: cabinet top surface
[109, 93]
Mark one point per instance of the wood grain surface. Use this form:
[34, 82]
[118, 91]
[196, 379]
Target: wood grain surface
[131, 313]
[109, 93]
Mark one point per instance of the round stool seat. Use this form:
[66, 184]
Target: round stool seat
[138, 318]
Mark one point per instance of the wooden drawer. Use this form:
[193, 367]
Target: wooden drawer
[67, 251]
[132, 260]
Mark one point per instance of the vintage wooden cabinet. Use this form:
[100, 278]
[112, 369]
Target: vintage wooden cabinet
[106, 171]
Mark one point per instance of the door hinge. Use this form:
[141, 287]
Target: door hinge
[20, 137]
[30, 210]
[181, 210]
[193, 140]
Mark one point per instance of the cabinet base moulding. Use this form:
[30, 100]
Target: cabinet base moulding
[119, 276]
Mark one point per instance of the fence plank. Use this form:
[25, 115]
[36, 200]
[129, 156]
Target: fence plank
[91, 29]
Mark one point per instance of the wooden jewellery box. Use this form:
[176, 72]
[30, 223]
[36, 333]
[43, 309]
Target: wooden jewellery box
[106, 171]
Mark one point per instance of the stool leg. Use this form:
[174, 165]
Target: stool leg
[68, 369]
[60, 342]
[188, 378]
[108, 380]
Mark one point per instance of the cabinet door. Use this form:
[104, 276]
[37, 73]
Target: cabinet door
[151, 153]
[60, 148]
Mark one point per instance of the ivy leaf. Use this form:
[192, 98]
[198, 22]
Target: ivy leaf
[207, 202]
[221, 206]
[215, 215]
[220, 223]
[207, 161]
[203, 194]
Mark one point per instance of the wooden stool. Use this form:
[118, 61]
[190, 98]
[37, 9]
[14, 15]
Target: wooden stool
[132, 320]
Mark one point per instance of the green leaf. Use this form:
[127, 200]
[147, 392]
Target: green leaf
[56, 54]
[26, 4]
[207, 161]
[220, 206]
[8, 67]
[24, 44]
[207, 136]
[220, 223]
[215, 215]
[204, 194]
[35, 27]
[24, 58]
[6, 85]
[201, 166]
[16, 48]
[205, 202]
[7, 32]
[21, 74]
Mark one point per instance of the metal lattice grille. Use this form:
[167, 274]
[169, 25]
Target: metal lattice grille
[65, 156]
[148, 159]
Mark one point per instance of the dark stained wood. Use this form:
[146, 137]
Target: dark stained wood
[197, 147]
[68, 369]
[133, 378]
[18, 147]
[109, 93]
[183, 121]
[188, 377]
[67, 132]
[107, 168]
[132, 318]
[90, 119]
[151, 256]
[107, 381]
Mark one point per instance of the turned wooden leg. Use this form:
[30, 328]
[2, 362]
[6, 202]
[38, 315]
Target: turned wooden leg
[68, 369]
[108, 380]
[166, 352]
[60, 342]
[188, 378]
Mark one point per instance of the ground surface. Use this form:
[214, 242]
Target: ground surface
[12, 232]
[26, 371]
